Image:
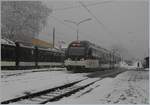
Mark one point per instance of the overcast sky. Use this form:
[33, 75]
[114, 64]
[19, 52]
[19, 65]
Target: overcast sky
[119, 23]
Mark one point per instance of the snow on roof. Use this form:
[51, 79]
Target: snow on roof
[7, 41]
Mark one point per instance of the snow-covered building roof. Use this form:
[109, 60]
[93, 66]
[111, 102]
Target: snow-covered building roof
[7, 41]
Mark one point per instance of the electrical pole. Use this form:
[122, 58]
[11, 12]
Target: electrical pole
[54, 37]
[77, 32]
[77, 24]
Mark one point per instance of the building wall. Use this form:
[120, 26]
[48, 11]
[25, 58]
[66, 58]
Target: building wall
[41, 43]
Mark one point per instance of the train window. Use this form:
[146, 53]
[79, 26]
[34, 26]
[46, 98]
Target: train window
[8, 52]
[76, 51]
[89, 52]
[25, 54]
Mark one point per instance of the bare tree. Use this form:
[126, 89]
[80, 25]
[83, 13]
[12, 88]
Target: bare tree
[22, 20]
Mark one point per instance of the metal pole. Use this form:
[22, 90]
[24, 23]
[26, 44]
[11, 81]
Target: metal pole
[77, 24]
[54, 37]
[77, 32]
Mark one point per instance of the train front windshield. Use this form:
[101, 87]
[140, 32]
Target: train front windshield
[76, 51]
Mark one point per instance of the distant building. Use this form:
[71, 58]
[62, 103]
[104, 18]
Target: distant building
[41, 43]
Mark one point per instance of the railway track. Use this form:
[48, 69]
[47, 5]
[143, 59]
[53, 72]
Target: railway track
[38, 94]
[56, 93]
[4, 75]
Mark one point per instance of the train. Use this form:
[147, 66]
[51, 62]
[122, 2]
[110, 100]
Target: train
[84, 55]
[18, 56]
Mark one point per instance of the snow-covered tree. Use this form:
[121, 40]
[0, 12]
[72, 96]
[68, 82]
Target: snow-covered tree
[23, 20]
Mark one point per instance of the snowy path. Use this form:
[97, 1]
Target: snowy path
[7, 73]
[130, 87]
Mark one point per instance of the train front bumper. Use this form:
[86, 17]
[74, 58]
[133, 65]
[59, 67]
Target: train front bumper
[83, 63]
[74, 63]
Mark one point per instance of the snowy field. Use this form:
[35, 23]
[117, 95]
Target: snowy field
[25, 83]
[130, 87]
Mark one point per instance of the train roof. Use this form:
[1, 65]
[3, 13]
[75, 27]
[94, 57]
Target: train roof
[80, 41]
[88, 43]
[9, 42]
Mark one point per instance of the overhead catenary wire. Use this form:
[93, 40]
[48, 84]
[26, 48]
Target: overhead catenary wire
[91, 13]
[85, 6]
[72, 7]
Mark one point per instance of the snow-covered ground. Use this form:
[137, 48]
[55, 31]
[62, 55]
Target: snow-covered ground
[6, 73]
[24, 83]
[130, 87]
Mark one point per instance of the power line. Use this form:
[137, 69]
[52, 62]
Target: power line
[88, 10]
[71, 7]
